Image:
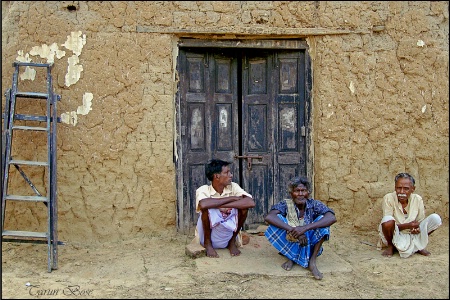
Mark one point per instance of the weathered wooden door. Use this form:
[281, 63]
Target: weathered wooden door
[246, 106]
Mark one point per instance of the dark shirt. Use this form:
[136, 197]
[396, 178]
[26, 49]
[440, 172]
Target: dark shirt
[313, 209]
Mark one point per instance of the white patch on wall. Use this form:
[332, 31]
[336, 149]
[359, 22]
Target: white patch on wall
[352, 87]
[424, 108]
[48, 52]
[69, 118]
[87, 102]
[420, 43]
[329, 114]
[29, 73]
[73, 71]
[23, 58]
[75, 42]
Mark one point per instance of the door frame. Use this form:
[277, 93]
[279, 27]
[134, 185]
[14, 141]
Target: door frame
[289, 44]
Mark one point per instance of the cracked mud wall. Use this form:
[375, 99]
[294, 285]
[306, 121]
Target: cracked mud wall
[379, 102]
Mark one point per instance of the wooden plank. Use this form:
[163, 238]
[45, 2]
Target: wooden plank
[254, 30]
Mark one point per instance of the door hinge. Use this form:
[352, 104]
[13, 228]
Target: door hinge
[183, 130]
[303, 130]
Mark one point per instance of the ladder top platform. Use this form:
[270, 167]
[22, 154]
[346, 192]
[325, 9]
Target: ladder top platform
[31, 64]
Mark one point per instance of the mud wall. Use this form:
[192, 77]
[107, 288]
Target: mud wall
[379, 101]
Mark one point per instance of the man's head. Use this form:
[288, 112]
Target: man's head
[218, 169]
[404, 186]
[299, 188]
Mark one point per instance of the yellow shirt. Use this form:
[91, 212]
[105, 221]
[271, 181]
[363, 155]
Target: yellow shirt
[392, 207]
[207, 191]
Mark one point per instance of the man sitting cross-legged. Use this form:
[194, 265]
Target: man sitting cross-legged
[223, 208]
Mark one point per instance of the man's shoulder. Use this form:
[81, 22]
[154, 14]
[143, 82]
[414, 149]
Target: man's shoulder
[416, 197]
[390, 195]
[204, 187]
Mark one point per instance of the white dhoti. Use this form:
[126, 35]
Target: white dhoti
[222, 229]
[408, 243]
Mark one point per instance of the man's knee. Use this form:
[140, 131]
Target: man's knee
[388, 225]
[242, 213]
[436, 218]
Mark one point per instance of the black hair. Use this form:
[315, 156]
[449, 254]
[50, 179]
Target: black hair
[296, 181]
[405, 175]
[214, 166]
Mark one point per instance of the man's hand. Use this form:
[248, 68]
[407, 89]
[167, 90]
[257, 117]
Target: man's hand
[415, 229]
[302, 240]
[297, 232]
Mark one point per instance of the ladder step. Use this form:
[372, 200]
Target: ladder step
[32, 95]
[28, 162]
[30, 128]
[34, 118]
[27, 198]
[30, 118]
[30, 234]
[31, 64]
[34, 241]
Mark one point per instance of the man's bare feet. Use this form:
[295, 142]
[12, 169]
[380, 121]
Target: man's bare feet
[316, 273]
[234, 251]
[211, 252]
[288, 265]
[388, 252]
[424, 252]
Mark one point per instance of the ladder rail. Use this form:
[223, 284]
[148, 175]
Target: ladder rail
[5, 141]
[9, 137]
[50, 199]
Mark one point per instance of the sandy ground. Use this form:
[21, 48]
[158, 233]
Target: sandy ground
[157, 267]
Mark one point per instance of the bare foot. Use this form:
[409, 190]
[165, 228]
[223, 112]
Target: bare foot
[388, 252]
[316, 273]
[424, 252]
[211, 252]
[234, 251]
[288, 265]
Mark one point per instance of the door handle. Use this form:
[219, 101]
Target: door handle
[249, 159]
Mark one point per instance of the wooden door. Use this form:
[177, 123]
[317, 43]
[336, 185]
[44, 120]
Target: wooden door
[273, 126]
[208, 122]
[246, 106]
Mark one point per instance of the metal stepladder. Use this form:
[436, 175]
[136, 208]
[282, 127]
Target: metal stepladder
[14, 124]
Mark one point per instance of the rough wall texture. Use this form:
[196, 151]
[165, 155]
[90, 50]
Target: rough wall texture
[379, 101]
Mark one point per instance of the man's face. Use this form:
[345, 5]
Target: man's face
[404, 188]
[225, 176]
[300, 194]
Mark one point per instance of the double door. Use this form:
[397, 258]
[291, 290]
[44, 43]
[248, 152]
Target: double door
[245, 106]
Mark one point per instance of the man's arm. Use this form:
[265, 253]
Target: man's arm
[239, 202]
[273, 219]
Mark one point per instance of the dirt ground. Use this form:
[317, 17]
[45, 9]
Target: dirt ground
[157, 267]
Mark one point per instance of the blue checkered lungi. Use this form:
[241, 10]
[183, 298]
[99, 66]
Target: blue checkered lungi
[293, 250]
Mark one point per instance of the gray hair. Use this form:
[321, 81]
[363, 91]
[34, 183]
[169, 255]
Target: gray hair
[405, 175]
[296, 181]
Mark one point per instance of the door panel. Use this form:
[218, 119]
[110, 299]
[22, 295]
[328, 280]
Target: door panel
[207, 121]
[246, 103]
[257, 136]
[289, 117]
